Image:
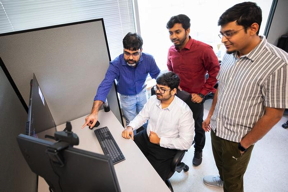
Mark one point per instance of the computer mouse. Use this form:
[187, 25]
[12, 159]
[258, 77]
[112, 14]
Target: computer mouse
[96, 125]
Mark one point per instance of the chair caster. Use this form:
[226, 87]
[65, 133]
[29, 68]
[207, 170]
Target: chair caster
[186, 168]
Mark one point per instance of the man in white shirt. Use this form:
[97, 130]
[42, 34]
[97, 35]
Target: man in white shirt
[170, 126]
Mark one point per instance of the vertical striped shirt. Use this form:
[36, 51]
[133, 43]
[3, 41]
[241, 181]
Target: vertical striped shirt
[247, 85]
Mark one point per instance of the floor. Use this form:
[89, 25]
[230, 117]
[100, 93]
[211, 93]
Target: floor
[267, 170]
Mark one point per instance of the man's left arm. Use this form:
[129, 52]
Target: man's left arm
[272, 113]
[212, 67]
[263, 126]
[154, 69]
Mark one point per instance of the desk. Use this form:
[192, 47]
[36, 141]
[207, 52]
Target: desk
[135, 174]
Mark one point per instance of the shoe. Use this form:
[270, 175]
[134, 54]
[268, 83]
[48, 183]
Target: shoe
[285, 125]
[197, 159]
[213, 181]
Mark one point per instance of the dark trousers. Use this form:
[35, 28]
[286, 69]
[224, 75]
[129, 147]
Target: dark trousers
[230, 163]
[198, 112]
[159, 157]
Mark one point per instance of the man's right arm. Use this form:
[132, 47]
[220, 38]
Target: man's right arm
[92, 118]
[206, 122]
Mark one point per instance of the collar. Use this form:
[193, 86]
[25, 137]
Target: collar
[256, 52]
[169, 108]
[188, 44]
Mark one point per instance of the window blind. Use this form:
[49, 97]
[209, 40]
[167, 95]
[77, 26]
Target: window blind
[18, 15]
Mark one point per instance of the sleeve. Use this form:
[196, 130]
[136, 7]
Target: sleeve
[212, 66]
[154, 70]
[169, 65]
[105, 86]
[276, 89]
[186, 134]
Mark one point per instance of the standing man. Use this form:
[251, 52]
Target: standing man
[251, 96]
[130, 69]
[170, 127]
[192, 60]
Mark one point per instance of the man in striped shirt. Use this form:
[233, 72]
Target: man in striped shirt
[251, 97]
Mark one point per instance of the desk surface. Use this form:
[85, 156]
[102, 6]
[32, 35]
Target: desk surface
[135, 173]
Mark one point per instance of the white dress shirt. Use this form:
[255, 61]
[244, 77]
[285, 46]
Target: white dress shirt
[174, 124]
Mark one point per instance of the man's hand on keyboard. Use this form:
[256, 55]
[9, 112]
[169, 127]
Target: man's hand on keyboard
[128, 133]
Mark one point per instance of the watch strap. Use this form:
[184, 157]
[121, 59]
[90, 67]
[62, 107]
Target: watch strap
[241, 148]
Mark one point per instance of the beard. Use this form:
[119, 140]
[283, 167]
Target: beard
[230, 52]
[180, 42]
[131, 62]
[161, 98]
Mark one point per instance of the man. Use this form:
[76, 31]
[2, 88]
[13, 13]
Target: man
[170, 126]
[251, 96]
[130, 69]
[192, 60]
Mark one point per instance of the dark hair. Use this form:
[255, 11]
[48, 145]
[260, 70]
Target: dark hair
[169, 79]
[182, 19]
[244, 14]
[132, 41]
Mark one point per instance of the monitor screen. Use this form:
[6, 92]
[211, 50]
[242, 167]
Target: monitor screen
[40, 119]
[82, 170]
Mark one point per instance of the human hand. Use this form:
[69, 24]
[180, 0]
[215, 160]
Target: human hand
[206, 125]
[128, 133]
[196, 98]
[153, 137]
[90, 120]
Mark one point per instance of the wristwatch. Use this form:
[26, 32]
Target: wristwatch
[241, 148]
[201, 95]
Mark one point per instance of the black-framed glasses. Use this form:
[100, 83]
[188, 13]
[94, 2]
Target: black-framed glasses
[160, 89]
[134, 54]
[228, 34]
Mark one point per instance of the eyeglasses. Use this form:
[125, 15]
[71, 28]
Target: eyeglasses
[160, 89]
[228, 34]
[134, 54]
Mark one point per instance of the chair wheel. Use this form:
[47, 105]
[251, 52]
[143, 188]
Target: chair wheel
[186, 168]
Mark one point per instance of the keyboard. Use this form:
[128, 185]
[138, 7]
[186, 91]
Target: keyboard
[109, 145]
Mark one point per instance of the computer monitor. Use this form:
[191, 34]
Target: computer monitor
[82, 170]
[40, 121]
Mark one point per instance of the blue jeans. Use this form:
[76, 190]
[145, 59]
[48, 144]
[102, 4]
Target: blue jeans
[132, 105]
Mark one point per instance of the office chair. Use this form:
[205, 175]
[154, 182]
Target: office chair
[176, 165]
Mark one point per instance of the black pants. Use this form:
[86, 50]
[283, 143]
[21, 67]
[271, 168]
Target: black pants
[198, 112]
[159, 157]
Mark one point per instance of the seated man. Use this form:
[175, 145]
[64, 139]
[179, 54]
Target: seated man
[170, 126]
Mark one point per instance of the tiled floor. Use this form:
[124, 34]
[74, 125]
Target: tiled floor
[267, 170]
